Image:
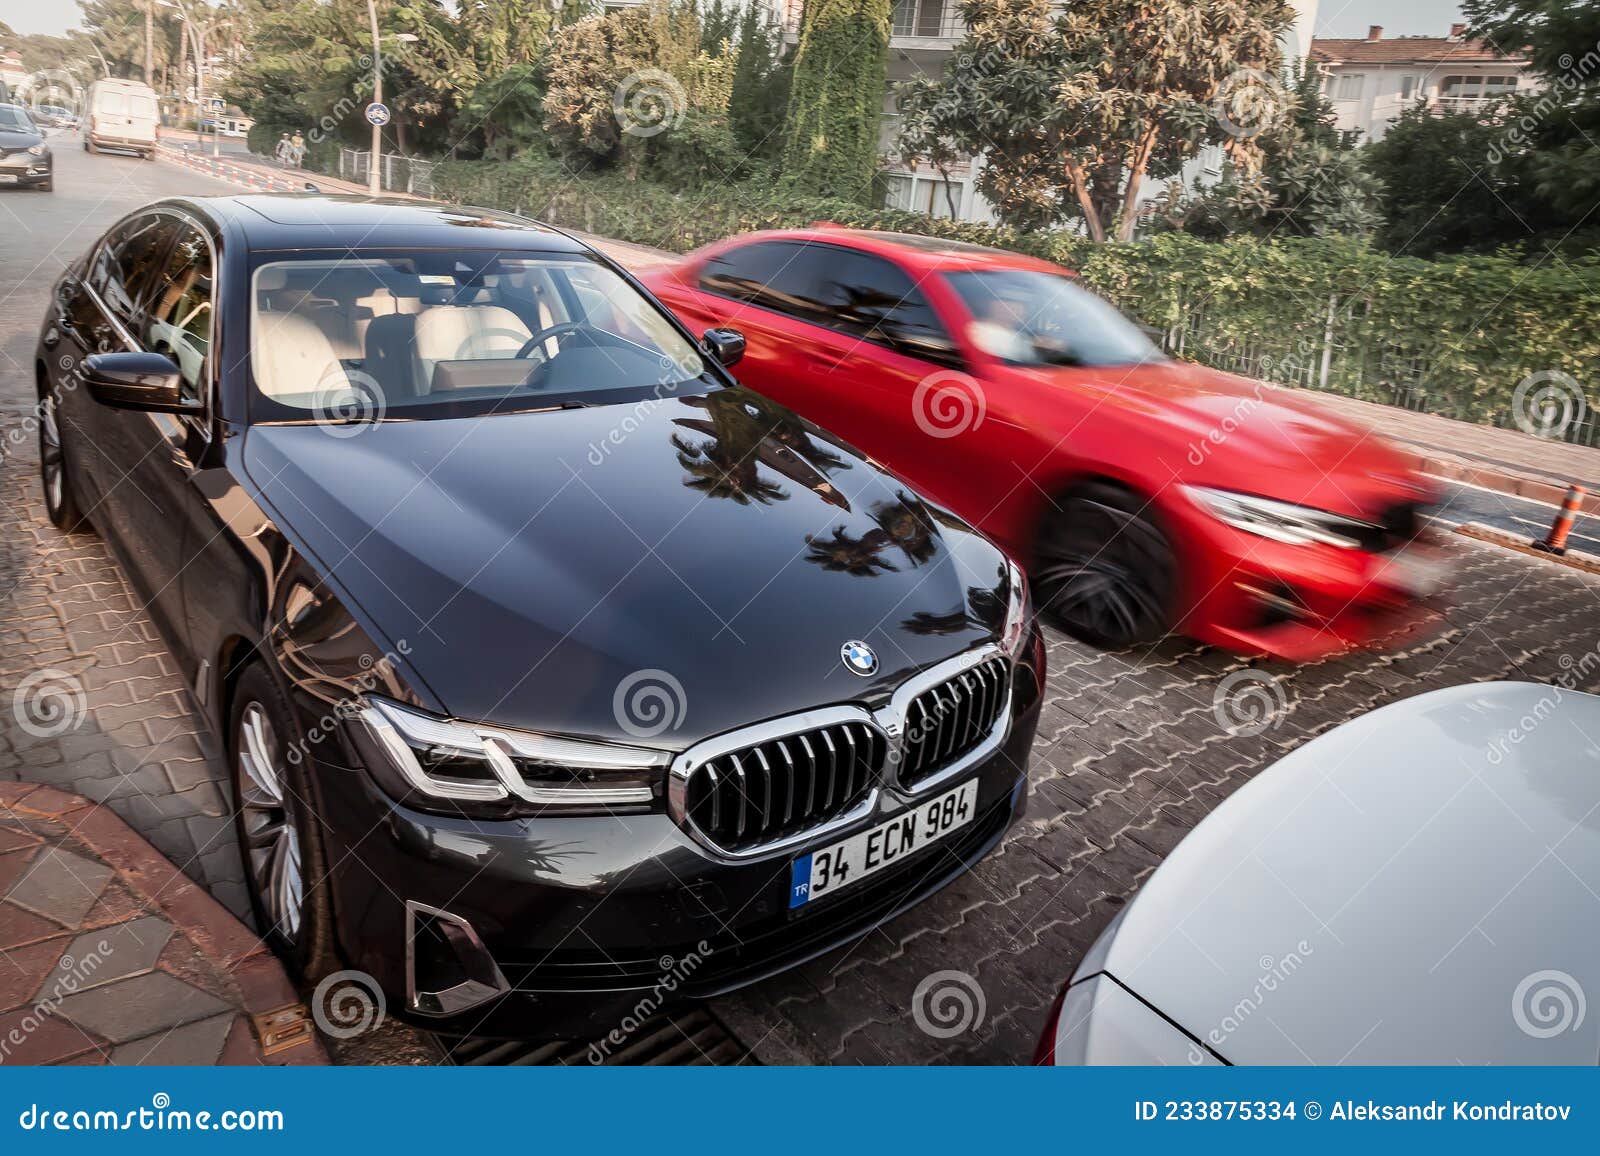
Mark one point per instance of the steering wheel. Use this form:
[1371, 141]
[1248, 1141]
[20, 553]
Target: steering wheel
[538, 339]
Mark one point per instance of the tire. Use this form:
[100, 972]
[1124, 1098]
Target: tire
[1104, 570]
[47, 186]
[280, 839]
[55, 471]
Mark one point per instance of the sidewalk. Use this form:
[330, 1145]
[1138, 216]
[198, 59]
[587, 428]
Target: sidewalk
[109, 955]
[1506, 460]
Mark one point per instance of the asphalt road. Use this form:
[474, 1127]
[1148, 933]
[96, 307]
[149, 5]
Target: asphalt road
[1518, 515]
[1132, 749]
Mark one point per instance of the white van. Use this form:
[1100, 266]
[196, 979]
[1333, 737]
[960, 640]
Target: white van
[121, 114]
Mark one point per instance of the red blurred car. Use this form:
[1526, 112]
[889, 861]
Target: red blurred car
[1146, 495]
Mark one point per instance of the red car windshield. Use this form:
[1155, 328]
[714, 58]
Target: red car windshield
[1026, 317]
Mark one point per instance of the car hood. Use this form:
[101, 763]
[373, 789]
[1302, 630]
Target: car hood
[529, 565]
[1216, 429]
[1417, 886]
[17, 139]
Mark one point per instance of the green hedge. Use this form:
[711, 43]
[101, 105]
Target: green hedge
[1453, 336]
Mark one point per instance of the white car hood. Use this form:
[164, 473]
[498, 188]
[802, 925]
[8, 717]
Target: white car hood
[1421, 885]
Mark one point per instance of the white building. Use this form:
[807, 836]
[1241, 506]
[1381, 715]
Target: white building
[923, 35]
[1371, 81]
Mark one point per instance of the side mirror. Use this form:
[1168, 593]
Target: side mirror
[149, 382]
[726, 345]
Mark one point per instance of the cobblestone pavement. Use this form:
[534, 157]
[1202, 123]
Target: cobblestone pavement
[1130, 754]
[109, 956]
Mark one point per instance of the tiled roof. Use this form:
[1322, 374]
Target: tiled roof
[1409, 50]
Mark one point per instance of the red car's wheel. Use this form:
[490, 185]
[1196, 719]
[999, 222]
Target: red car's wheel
[1104, 571]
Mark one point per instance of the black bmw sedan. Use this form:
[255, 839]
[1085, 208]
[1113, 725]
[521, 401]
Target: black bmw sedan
[555, 668]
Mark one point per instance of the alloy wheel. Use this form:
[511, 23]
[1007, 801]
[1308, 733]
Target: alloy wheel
[1105, 573]
[272, 838]
[52, 459]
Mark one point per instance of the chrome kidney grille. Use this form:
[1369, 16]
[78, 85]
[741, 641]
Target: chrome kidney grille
[772, 790]
[946, 722]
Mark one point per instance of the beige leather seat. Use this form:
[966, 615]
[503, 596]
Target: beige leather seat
[465, 333]
[293, 357]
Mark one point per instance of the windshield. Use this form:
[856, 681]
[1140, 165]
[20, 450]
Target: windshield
[433, 333]
[1031, 318]
[15, 118]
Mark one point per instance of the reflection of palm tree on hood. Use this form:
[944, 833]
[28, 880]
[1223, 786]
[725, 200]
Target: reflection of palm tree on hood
[849, 554]
[984, 609]
[746, 430]
[717, 469]
[909, 526]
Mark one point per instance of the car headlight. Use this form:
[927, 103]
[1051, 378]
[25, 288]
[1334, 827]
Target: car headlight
[458, 768]
[1017, 610]
[37, 150]
[1281, 521]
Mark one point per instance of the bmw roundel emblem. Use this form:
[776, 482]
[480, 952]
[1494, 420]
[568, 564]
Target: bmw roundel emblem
[859, 658]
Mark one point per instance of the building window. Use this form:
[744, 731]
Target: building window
[1350, 86]
[1408, 87]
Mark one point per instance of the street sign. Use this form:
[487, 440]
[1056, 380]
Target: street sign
[219, 104]
[378, 114]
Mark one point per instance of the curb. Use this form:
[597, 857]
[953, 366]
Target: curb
[1575, 559]
[214, 931]
[1504, 481]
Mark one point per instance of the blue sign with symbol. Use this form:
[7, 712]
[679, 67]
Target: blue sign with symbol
[378, 114]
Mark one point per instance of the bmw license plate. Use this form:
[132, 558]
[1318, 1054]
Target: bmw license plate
[831, 868]
[8, 178]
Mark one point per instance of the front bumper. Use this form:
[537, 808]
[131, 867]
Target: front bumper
[586, 920]
[1301, 603]
[35, 171]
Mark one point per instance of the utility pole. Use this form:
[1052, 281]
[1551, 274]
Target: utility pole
[374, 178]
[149, 41]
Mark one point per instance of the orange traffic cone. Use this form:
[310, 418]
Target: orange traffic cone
[1555, 542]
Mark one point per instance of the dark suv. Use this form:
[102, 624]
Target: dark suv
[553, 665]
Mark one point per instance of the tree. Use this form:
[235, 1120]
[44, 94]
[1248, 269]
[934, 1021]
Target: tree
[760, 92]
[1073, 109]
[1305, 177]
[836, 97]
[1559, 128]
[1444, 188]
[634, 87]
